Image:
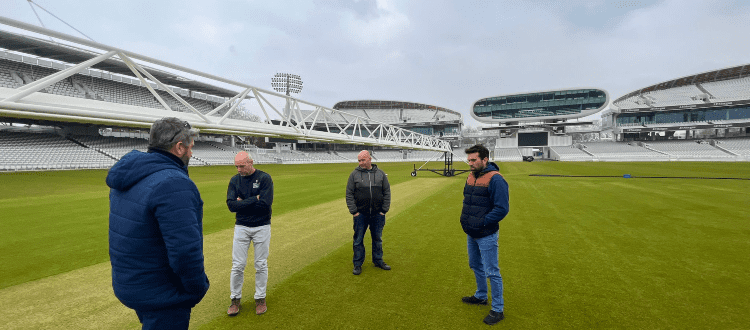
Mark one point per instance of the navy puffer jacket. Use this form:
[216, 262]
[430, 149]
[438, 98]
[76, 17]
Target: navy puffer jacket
[486, 202]
[155, 232]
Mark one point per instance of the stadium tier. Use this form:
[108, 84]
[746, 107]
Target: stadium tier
[689, 150]
[613, 151]
[570, 153]
[417, 117]
[537, 106]
[661, 122]
[100, 86]
[739, 147]
[507, 155]
[709, 105]
[44, 151]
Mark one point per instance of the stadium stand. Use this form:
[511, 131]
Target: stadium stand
[389, 155]
[101, 86]
[740, 147]
[570, 153]
[15, 74]
[40, 151]
[211, 154]
[423, 156]
[507, 155]
[325, 157]
[729, 90]
[420, 118]
[348, 155]
[260, 156]
[113, 146]
[674, 96]
[44, 151]
[689, 150]
[613, 151]
[291, 157]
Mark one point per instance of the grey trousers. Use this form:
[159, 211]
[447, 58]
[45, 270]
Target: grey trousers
[261, 239]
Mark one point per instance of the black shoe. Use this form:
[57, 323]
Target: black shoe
[382, 265]
[494, 317]
[473, 300]
[357, 270]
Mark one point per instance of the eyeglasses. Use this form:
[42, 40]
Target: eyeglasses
[184, 124]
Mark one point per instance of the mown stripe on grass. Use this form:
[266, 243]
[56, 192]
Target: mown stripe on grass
[83, 298]
[427, 250]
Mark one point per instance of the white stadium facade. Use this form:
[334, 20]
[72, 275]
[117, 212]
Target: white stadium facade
[75, 103]
[705, 116]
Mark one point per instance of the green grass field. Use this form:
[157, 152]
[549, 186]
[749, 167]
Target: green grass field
[575, 253]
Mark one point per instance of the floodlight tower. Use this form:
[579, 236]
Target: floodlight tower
[287, 83]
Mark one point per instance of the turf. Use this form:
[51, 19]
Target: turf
[574, 252]
[57, 221]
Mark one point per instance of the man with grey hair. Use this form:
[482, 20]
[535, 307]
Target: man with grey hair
[156, 229]
[249, 196]
[368, 197]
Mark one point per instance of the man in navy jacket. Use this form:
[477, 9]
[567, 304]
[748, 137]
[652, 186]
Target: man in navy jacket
[156, 229]
[249, 196]
[485, 204]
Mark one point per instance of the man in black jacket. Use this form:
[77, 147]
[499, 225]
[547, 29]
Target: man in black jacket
[368, 197]
[250, 195]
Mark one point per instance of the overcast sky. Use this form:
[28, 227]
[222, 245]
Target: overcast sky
[444, 53]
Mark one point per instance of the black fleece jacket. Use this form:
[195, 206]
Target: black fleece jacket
[251, 211]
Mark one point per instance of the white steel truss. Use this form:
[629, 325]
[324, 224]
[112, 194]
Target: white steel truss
[316, 123]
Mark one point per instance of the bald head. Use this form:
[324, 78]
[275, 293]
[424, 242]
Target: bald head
[364, 153]
[244, 163]
[364, 159]
[242, 157]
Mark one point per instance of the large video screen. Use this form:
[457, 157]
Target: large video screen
[532, 139]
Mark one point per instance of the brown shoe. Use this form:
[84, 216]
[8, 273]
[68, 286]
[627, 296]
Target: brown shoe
[260, 306]
[234, 308]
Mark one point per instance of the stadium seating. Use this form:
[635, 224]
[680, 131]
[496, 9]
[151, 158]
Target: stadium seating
[100, 86]
[423, 156]
[570, 153]
[388, 155]
[674, 96]
[325, 157]
[729, 90]
[613, 151]
[45, 151]
[689, 150]
[348, 155]
[211, 154]
[420, 115]
[740, 147]
[507, 155]
[113, 146]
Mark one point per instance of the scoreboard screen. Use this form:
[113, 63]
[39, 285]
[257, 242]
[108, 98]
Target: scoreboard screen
[532, 139]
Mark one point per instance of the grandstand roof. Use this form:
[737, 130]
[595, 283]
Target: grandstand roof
[734, 72]
[381, 104]
[70, 54]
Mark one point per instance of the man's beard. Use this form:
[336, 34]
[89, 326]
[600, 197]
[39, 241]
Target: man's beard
[185, 160]
[477, 171]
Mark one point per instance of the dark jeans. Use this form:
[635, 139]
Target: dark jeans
[170, 319]
[376, 222]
